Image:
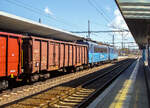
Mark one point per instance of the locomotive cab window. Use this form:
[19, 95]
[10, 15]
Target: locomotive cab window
[100, 49]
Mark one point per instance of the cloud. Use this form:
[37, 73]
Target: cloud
[48, 11]
[108, 8]
[119, 23]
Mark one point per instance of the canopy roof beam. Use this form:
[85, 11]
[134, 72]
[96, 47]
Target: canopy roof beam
[135, 9]
[137, 13]
[134, 4]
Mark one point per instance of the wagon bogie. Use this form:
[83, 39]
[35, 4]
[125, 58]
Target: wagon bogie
[3, 83]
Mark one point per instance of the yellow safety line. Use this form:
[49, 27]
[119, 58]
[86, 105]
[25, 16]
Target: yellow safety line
[122, 95]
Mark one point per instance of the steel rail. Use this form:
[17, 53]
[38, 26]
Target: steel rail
[78, 88]
[69, 92]
[88, 100]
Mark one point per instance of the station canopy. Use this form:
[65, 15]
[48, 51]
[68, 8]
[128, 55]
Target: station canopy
[15, 24]
[137, 16]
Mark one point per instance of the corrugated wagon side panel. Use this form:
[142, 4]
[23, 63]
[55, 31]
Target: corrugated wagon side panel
[78, 54]
[3, 56]
[13, 56]
[70, 55]
[44, 55]
[36, 55]
[61, 55]
[56, 54]
[83, 56]
[74, 55]
[86, 55]
[51, 55]
[66, 54]
[10, 57]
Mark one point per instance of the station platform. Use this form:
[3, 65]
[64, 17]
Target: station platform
[129, 90]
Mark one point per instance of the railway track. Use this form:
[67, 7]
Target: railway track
[83, 94]
[50, 95]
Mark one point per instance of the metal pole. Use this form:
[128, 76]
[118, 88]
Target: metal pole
[128, 49]
[89, 29]
[122, 43]
[113, 40]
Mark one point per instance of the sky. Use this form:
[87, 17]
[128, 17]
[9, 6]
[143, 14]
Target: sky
[73, 15]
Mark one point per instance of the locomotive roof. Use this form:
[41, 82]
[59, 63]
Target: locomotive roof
[12, 23]
[94, 43]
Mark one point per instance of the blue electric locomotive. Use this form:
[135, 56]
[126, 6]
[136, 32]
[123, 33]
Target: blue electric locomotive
[113, 53]
[97, 53]
[100, 53]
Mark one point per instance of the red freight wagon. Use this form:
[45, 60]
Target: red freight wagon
[42, 55]
[10, 57]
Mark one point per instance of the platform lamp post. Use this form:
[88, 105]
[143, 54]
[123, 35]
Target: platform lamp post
[113, 40]
[122, 44]
[89, 32]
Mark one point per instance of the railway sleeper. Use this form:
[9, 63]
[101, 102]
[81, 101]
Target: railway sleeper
[75, 98]
[67, 94]
[68, 103]
[63, 96]
[70, 100]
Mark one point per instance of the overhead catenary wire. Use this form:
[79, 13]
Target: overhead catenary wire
[35, 10]
[101, 13]
[40, 12]
[104, 13]
[100, 31]
[95, 5]
[98, 8]
[30, 9]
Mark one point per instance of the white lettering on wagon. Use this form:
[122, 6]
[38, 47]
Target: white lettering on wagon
[12, 71]
[13, 54]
